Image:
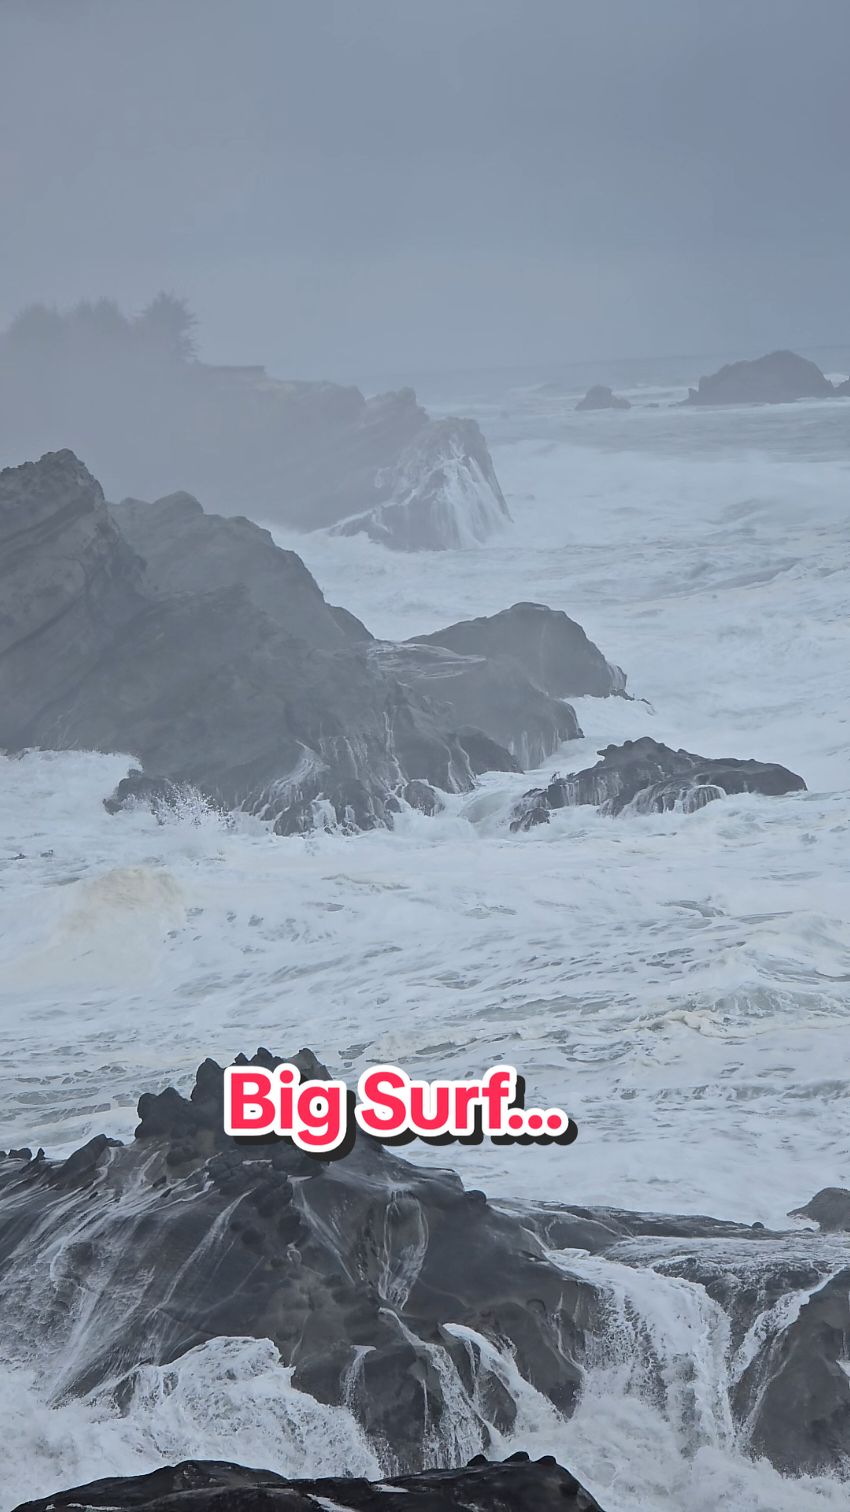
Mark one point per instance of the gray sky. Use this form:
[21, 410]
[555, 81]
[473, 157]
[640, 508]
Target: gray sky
[347, 186]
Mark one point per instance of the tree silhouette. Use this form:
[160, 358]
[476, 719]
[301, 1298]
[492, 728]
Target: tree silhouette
[168, 325]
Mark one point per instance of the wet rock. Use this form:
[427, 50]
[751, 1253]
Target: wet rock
[356, 1264]
[199, 647]
[442, 493]
[647, 777]
[829, 1209]
[551, 649]
[795, 1395]
[479, 695]
[515, 1485]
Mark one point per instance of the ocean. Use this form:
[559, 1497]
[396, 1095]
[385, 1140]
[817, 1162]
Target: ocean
[680, 984]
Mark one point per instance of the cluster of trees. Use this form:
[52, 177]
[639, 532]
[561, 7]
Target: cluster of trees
[99, 331]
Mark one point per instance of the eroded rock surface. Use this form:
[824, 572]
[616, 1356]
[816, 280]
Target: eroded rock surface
[515, 1485]
[647, 777]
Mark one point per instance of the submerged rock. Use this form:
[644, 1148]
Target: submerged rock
[775, 379]
[600, 397]
[518, 1484]
[648, 777]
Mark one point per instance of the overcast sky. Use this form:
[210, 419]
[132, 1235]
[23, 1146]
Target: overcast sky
[350, 186]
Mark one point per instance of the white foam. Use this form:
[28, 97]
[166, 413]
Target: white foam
[677, 982]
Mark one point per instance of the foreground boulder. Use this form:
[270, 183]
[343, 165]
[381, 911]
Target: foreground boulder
[390, 1289]
[600, 397]
[777, 378]
[195, 644]
[516, 1485]
[649, 778]
[366, 1269]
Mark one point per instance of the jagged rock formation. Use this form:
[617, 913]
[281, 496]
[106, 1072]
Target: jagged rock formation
[186, 550]
[149, 417]
[196, 645]
[391, 1288]
[65, 574]
[492, 695]
[443, 492]
[515, 1485]
[600, 397]
[550, 649]
[356, 1269]
[646, 777]
[775, 379]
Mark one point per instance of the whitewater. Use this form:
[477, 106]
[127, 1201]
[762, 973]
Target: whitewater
[679, 983]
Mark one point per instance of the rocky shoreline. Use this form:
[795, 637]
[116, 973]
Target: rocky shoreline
[391, 1288]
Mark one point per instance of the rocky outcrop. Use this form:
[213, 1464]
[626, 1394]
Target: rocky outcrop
[599, 397]
[492, 695]
[392, 1289]
[515, 1485]
[777, 378]
[186, 550]
[795, 1394]
[196, 645]
[365, 1269]
[545, 644]
[149, 417]
[646, 777]
[443, 492]
[829, 1209]
[68, 581]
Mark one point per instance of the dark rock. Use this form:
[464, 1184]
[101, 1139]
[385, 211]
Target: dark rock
[492, 695]
[199, 647]
[158, 794]
[843, 389]
[775, 379]
[368, 1261]
[421, 796]
[829, 1209]
[515, 1485]
[647, 778]
[550, 648]
[188, 551]
[599, 397]
[795, 1395]
[366, 1258]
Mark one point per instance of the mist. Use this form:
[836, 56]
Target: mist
[424, 570]
[341, 189]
